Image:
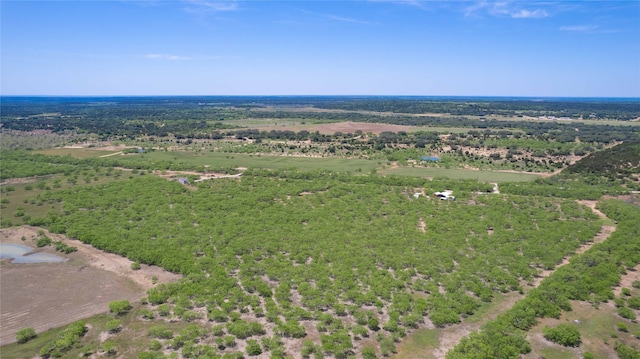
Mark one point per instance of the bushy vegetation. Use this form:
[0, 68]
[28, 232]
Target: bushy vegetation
[119, 307]
[25, 334]
[232, 265]
[564, 334]
[68, 339]
[358, 257]
[589, 277]
[619, 164]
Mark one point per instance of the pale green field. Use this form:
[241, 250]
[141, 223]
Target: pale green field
[76, 152]
[456, 173]
[529, 119]
[218, 159]
[234, 160]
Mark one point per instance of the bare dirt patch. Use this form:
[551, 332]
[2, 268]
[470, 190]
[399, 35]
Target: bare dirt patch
[49, 295]
[627, 280]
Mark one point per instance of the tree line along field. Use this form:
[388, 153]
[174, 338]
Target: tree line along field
[327, 262]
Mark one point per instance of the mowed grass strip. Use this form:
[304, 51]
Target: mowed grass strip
[218, 159]
[75, 152]
[457, 173]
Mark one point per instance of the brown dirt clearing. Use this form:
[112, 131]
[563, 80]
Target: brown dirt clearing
[49, 295]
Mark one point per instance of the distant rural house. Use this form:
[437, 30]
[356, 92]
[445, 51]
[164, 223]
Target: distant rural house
[429, 159]
[445, 195]
[183, 180]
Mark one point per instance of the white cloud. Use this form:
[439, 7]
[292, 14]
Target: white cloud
[528, 14]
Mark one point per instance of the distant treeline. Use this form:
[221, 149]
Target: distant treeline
[622, 109]
[202, 117]
[464, 107]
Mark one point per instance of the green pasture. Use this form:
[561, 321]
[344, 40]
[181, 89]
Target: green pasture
[75, 152]
[458, 173]
[217, 159]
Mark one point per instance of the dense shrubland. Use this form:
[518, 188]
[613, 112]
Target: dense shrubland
[589, 277]
[19, 164]
[324, 248]
[342, 264]
[619, 164]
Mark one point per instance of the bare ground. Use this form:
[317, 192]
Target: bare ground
[49, 295]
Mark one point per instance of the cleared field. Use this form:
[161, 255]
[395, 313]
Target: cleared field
[533, 119]
[456, 173]
[75, 152]
[49, 295]
[217, 159]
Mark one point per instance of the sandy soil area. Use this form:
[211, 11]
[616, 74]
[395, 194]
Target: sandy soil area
[49, 295]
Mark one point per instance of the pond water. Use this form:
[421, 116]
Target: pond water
[17, 251]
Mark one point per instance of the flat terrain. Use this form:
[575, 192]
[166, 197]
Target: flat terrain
[50, 295]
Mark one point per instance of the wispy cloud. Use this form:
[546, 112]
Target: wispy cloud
[588, 29]
[415, 3]
[336, 17]
[207, 6]
[347, 19]
[504, 9]
[579, 28]
[525, 14]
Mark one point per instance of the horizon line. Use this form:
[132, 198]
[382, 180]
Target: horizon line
[326, 95]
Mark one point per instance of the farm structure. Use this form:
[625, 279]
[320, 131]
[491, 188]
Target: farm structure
[445, 195]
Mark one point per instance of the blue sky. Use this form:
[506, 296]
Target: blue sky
[377, 47]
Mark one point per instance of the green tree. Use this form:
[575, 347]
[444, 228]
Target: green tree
[25, 334]
[113, 326]
[627, 313]
[109, 348]
[253, 347]
[119, 307]
[564, 334]
[369, 353]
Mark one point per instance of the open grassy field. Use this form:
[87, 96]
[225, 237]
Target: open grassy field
[218, 159]
[456, 173]
[585, 121]
[76, 152]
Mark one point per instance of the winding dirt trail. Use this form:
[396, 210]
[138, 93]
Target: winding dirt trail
[451, 336]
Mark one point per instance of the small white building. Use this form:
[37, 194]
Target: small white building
[445, 195]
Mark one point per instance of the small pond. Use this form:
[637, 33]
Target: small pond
[17, 251]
